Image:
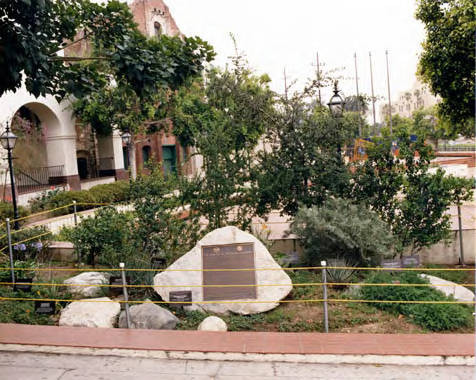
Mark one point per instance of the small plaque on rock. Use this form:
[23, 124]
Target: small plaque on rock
[23, 284]
[180, 296]
[45, 307]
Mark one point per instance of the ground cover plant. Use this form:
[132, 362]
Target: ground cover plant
[434, 317]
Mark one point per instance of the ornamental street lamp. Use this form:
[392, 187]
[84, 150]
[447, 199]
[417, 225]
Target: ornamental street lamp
[336, 106]
[8, 140]
[127, 140]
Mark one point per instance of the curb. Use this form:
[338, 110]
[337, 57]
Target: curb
[248, 357]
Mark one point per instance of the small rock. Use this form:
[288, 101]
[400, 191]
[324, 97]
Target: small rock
[102, 313]
[213, 324]
[88, 278]
[149, 316]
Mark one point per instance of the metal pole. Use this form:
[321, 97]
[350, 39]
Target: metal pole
[461, 252]
[126, 296]
[10, 251]
[372, 86]
[75, 216]
[16, 225]
[357, 88]
[324, 284]
[389, 98]
[318, 78]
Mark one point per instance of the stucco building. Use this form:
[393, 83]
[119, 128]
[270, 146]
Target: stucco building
[55, 149]
[407, 102]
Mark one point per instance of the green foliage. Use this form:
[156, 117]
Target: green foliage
[342, 230]
[405, 194]
[163, 227]
[224, 121]
[107, 193]
[447, 61]
[98, 238]
[34, 249]
[21, 312]
[434, 317]
[301, 163]
[6, 211]
[33, 32]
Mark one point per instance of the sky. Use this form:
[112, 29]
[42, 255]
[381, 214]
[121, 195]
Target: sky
[278, 34]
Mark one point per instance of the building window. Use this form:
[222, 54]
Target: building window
[169, 157]
[145, 154]
[157, 29]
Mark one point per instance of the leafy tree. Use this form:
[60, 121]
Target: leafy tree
[402, 190]
[224, 121]
[339, 229]
[162, 228]
[447, 61]
[301, 162]
[33, 32]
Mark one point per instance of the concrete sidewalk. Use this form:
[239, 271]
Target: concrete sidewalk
[430, 349]
[35, 366]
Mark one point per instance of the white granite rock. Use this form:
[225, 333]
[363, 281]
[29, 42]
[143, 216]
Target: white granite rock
[90, 314]
[459, 293]
[88, 278]
[193, 260]
[212, 323]
[149, 316]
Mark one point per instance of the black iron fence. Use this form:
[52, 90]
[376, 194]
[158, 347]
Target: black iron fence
[37, 179]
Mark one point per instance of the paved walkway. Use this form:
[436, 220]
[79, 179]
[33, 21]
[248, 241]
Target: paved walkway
[241, 342]
[34, 366]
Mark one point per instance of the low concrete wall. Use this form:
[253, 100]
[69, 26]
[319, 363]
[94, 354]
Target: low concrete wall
[87, 184]
[436, 254]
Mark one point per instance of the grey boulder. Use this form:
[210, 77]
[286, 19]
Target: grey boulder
[87, 284]
[149, 316]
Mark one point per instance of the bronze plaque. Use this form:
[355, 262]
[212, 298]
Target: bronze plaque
[229, 256]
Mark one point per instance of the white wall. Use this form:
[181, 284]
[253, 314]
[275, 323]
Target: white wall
[56, 117]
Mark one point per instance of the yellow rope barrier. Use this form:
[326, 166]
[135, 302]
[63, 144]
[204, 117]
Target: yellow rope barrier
[229, 285]
[58, 208]
[239, 269]
[238, 301]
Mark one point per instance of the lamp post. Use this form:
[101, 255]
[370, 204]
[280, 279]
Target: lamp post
[336, 106]
[8, 140]
[127, 140]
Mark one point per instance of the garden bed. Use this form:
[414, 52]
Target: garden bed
[288, 317]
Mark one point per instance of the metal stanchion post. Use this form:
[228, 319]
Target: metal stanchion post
[10, 251]
[324, 284]
[126, 297]
[75, 215]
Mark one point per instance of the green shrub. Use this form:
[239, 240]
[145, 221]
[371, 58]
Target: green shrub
[107, 193]
[6, 211]
[340, 229]
[434, 317]
[99, 239]
[111, 192]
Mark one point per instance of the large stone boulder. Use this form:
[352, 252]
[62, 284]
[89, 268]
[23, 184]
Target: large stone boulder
[459, 293]
[94, 312]
[212, 323]
[149, 316]
[192, 281]
[88, 282]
